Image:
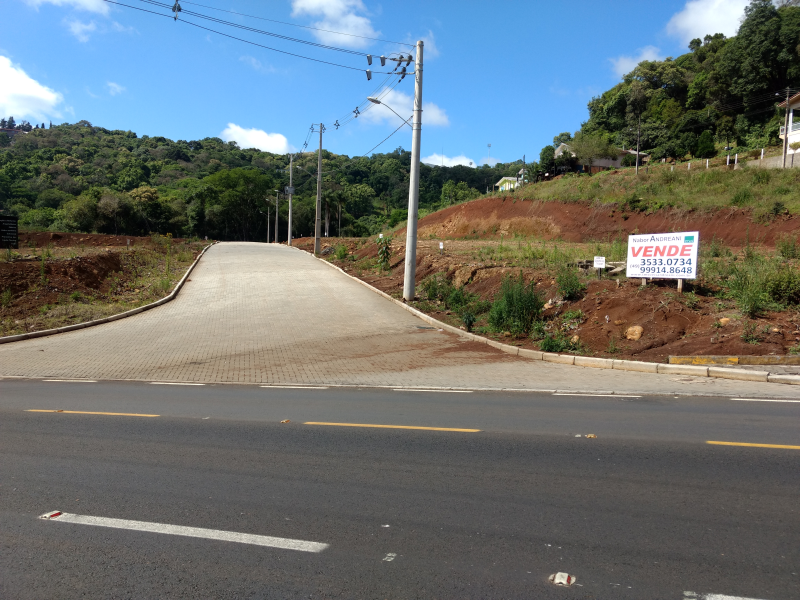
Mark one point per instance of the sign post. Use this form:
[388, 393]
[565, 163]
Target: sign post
[9, 232]
[599, 264]
[663, 256]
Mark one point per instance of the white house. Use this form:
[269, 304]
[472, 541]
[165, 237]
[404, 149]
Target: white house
[507, 183]
[794, 128]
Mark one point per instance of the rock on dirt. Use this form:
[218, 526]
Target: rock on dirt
[634, 333]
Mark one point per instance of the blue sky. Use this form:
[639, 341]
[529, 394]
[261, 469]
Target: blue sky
[509, 74]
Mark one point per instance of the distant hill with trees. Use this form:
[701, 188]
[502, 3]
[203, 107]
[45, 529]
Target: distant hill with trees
[79, 177]
[722, 93]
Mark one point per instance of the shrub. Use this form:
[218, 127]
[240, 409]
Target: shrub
[783, 286]
[538, 330]
[468, 318]
[558, 342]
[384, 252]
[436, 287]
[742, 196]
[569, 283]
[341, 252]
[746, 286]
[457, 298]
[5, 299]
[516, 307]
[788, 247]
[705, 145]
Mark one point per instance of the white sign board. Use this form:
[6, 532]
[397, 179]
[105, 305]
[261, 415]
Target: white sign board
[599, 262]
[441, 245]
[663, 255]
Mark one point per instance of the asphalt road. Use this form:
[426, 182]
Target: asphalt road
[647, 509]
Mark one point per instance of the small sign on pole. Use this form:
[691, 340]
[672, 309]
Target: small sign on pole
[288, 190]
[663, 255]
[599, 264]
[441, 247]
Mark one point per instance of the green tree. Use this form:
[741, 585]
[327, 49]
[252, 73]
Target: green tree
[705, 145]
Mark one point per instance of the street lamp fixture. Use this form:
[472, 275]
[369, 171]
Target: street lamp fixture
[375, 100]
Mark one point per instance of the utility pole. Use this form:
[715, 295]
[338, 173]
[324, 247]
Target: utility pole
[277, 230]
[409, 279]
[291, 191]
[267, 221]
[318, 224]
[786, 129]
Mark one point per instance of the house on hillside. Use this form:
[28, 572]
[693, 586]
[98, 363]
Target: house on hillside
[507, 184]
[794, 128]
[601, 164]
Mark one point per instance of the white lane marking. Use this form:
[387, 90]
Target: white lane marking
[296, 387]
[714, 596]
[71, 380]
[432, 391]
[762, 400]
[596, 395]
[390, 557]
[173, 383]
[195, 532]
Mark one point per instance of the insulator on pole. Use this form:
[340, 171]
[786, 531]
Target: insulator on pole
[408, 60]
[383, 60]
[176, 9]
[369, 59]
[402, 74]
[369, 75]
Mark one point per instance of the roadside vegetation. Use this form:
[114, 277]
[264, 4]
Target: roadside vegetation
[47, 287]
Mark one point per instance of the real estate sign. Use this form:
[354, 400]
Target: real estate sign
[663, 255]
[9, 236]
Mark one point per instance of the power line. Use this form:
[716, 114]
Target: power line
[254, 30]
[363, 37]
[386, 138]
[241, 39]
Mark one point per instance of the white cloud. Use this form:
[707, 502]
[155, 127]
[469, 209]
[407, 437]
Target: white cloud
[625, 64]
[81, 30]
[707, 17]
[257, 64]
[337, 15]
[437, 160]
[403, 104]
[23, 97]
[95, 6]
[114, 88]
[430, 48]
[256, 138]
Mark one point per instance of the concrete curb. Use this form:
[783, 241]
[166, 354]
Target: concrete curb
[128, 313]
[582, 361]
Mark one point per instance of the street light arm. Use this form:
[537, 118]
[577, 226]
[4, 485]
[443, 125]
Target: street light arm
[376, 101]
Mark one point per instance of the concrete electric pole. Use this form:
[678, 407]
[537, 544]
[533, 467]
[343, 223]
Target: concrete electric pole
[409, 280]
[318, 224]
[277, 231]
[291, 191]
[786, 128]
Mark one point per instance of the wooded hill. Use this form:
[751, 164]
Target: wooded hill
[721, 93]
[85, 178]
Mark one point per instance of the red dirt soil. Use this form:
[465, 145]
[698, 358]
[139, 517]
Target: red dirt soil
[41, 239]
[582, 222]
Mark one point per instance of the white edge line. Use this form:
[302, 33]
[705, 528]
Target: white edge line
[173, 383]
[762, 400]
[296, 387]
[195, 532]
[596, 395]
[71, 380]
[432, 391]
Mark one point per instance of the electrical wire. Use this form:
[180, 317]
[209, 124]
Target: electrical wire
[386, 138]
[243, 40]
[253, 29]
[363, 37]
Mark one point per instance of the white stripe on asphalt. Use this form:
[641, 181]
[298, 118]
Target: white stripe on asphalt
[596, 395]
[432, 391]
[688, 595]
[296, 387]
[71, 380]
[762, 400]
[173, 383]
[195, 532]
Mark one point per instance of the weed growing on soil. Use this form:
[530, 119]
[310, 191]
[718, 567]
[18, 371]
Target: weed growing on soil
[612, 345]
[788, 247]
[750, 333]
[384, 252]
[5, 299]
[569, 283]
[468, 318]
[516, 307]
[76, 296]
[559, 342]
[341, 252]
[538, 330]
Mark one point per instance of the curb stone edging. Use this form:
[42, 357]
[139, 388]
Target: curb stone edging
[582, 361]
[128, 313]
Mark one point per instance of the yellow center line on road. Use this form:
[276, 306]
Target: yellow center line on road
[86, 412]
[754, 445]
[392, 426]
